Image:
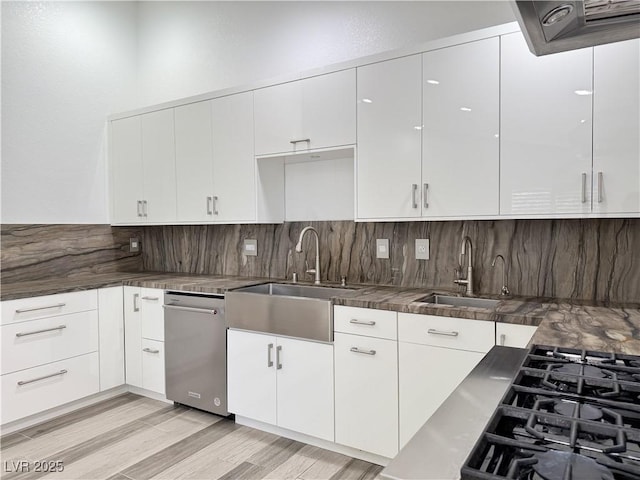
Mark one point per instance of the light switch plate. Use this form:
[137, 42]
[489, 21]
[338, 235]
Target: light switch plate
[250, 247]
[382, 248]
[134, 245]
[422, 249]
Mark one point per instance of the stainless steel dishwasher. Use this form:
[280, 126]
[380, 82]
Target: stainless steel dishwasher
[195, 333]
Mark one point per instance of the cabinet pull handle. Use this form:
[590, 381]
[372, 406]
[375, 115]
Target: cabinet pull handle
[600, 186]
[433, 331]
[426, 195]
[139, 207]
[215, 205]
[25, 382]
[209, 311]
[414, 190]
[136, 307]
[151, 350]
[269, 358]
[59, 327]
[503, 338]
[362, 322]
[155, 299]
[584, 188]
[293, 142]
[209, 205]
[33, 309]
[364, 352]
[144, 208]
[278, 364]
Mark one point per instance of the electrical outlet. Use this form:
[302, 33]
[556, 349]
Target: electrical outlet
[250, 247]
[422, 249]
[134, 245]
[382, 248]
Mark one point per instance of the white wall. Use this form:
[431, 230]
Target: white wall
[67, 65]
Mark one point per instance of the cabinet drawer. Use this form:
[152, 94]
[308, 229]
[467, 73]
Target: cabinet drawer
[151, 300]
[48, 306]
[448, 332]
[37, 389]
[36, 342]
[153, 365]
[365, 321]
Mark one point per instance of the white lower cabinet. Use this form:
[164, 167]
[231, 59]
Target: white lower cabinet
[153, 365]
[281, 381]
[366, 382]
[435, 355]
[111, 337]
[514, 335]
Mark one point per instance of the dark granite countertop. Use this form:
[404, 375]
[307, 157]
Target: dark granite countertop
[567, 323]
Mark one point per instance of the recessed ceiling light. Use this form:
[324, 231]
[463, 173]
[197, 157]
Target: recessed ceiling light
[557, 14]
[582, 92]
[433, 82]
[367, 100]
[465, 109]
[418, 127]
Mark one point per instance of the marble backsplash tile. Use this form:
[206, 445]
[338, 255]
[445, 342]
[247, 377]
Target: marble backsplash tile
[34, 252]
[593, 259]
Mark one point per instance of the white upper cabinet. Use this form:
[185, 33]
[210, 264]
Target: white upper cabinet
[389, 139]
[159, 167]
[316, 112]
[126, 171]
[545, 136]
[194, 162]
[460, 145]
[234, 179]
[616, 128]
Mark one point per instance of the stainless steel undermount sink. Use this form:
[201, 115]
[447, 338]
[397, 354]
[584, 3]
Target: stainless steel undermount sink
[302, 311]
[452, 301]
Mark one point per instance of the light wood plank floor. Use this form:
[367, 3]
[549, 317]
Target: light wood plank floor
[130, 437]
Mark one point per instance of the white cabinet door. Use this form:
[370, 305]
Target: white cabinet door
[427, 376]
[545, 136]
[132, 336]
[305, 387]
[126, 171]
[159, 166]
[366, 384]
[460, 147]
[318, 109]
[234, 178]
[194, 162]
[153, 366]
[251, 375]
[616, 128]
[513, 335]
[111, 335]
[389, 139]
[152, 313]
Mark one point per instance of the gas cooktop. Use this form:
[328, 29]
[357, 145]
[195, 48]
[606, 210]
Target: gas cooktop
[568, 415]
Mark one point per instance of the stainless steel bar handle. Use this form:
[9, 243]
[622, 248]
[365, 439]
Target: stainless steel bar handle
[33, 309]
[139, 207]
[503, 338]
[293, 142]
[426, 195]
[25, 382]
[433, 331]
[269, 357]
[600, 186]
[136, 307]
[414, 190]
[209, 205]
[584, 188]
[151, 350]
[364, 352]
[144, 208]
[215, 205]
[278, 364]
[362, 322]
[191, 309]
[155, 299]
[25, 334]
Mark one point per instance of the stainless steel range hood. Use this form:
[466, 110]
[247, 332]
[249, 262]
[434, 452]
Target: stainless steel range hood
[557, 26]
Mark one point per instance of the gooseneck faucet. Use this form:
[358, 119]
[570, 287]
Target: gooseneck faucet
[469, 252]
[504, 290]
[299, 250]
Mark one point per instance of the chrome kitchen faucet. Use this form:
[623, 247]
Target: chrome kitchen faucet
[299, 250]
[469, 252]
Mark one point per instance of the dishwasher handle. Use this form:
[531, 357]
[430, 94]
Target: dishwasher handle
[191, 309]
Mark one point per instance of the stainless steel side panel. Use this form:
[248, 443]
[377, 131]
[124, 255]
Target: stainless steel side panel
[438, 450]
[295, 317]
[196, 353]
